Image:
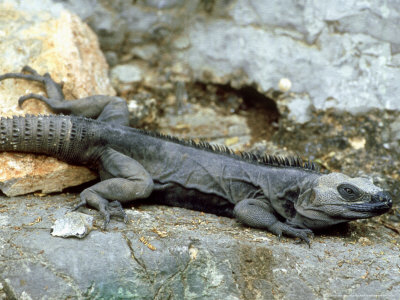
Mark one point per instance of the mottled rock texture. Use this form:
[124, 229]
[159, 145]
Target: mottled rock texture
[337, 54]
[173, 253]
[54, 41]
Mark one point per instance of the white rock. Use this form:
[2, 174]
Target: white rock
[127, 73]
[73, 224]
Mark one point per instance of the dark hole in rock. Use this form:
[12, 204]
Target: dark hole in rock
[252, 97]
[260, 111]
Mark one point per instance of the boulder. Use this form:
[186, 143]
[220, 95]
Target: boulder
[58, 42]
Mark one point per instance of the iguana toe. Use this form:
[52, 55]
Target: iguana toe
[303, 235]
[106, 215]
[28, 69]
[22, 99]
[115, 208]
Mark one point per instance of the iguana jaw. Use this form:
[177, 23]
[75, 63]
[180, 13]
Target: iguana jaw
[380, 203]
[375, 206]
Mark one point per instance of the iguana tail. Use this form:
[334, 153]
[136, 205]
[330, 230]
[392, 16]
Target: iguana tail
[65, 137]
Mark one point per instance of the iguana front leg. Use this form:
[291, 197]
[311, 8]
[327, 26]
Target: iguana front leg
[123, 180]
[104, 108]
[259, 214]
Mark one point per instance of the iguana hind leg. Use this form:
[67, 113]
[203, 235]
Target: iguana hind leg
[104, 108]
[258, 214]
[123, 180]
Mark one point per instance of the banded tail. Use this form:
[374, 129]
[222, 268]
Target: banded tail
[63, 137]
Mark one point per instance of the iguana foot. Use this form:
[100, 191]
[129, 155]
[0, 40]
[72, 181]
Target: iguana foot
[32, 75]
[303, 234]
[256, 213]
[107, 209]
[281, 228]
[117, 210]
[53, 89]
[112, 110]
[112, 209]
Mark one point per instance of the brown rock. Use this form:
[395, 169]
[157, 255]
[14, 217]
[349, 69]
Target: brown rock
[58, 43]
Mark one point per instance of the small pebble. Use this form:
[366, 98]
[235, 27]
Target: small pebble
[284, 85]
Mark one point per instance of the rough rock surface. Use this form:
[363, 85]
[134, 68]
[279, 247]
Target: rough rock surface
[173, 253]
[200, 123]
[342, 55]
[55, 41]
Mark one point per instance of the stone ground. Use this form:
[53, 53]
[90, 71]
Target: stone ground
[173, 253]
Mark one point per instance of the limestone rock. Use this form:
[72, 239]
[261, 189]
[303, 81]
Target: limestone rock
[343, 54]
[50, 40]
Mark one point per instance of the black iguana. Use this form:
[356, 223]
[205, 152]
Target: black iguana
[282, 195]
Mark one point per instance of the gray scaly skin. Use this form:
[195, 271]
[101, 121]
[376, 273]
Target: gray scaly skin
[282, 195]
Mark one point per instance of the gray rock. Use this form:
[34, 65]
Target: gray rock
[3, 295]
[173, 253]
[127, 73]
[145, 52]
[299, 108]
[348, 72]
[344, 54]
[395, 130]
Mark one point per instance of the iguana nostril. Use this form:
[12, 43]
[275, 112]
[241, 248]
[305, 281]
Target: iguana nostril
[382, 197]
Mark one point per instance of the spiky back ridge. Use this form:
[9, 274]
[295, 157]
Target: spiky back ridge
[55, 135]
[264, 159]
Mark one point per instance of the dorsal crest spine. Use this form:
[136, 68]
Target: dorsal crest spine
[264, 159]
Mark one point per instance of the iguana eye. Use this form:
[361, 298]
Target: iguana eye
[348, 191]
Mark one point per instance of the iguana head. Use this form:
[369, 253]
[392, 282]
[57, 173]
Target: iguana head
[335, 198]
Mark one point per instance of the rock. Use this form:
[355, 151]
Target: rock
[174, 253]
[145, 52]
[297, 106]
[320, 73]
[22, 173]
[72, 224]
[164, 4]
[200, 123]
[51, 40]
[3, 295]
[126, 73]
[343, 55]
[142, 110]
[284, 85]
[333, 63]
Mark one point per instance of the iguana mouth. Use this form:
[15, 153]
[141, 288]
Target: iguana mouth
[380, 203]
